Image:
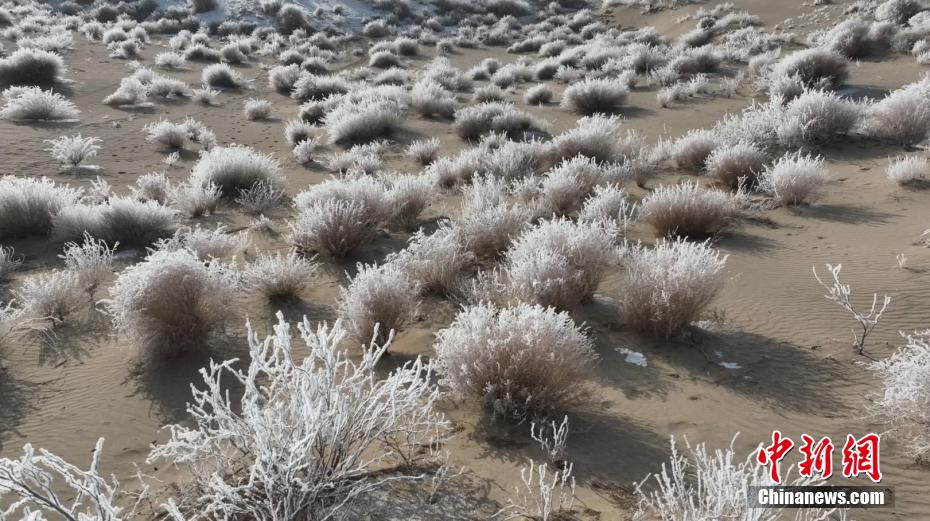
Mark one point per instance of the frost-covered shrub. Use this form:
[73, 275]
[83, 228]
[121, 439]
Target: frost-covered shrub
[279, 276]
[257, 109]
[131, 92]
[609, 205]
[817, 117]
[318, 87]
[222, 76]
[202, 53]
[428, 98]
[31, 67]
[170, 61]
[127, 221]
[167, 134]
[538, 95]
[596, 137]
[283, 77]
[379, 300]
[559, 263]
[488, 220]
[475, 121]
[444, 73]
[194, 199]
[35, 104]
[91, 260]
[736, 164]
[73, 150]
[518, 361]
[54, 296]
[27, 205]
[690, 151]
[898, 11]
[232, 53]
[423, 151]
[306, 435]
[902, 116]
[364, 120]
[383, 60]
[794, 179]
[565, 187]
[9, 263]
[235, 168]
[595, 95]
[902, 401]
[170, 304]
[333, 226]
[488, 93]
[814, 67]
[908, 170]
[408, 195]
[687, 210]
[260, 197]
[206, 244]
[292, 17]
[669, 286]
[152, 187]
[303, 151]
[435, 262]
[168, 88]
[296, 131]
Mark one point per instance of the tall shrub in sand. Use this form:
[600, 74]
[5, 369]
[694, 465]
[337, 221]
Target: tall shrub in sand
[35, 104]
[593, 96]
[170, 304]
[669, 286]
[27, 205]
[517, 361]
[27, 66]
[377, 301]
[236, 168]
[688, 210]
[795, 179]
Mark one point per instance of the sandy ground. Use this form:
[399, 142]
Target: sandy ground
[778, 357]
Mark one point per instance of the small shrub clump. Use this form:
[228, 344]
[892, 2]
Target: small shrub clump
[687, 210]
[795, 179]
[236, 168]
[595, 96]
[378, 301]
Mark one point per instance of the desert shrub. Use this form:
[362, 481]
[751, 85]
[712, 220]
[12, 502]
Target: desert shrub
[168, 88]
[488, 220]
[91, 260]
[518, 361]
[362, 121]
[444, 73]
[376, 29]
[736, 164]
[423, 151]
[131, 92]
[167, 134]
[283, 77]
[487, 93]
[538, 95]
[73, 150]
[590, 96]
[434, 262]
[232, 53]
[31, 67]
[610, 205]
[409, 195]
[475, 121]
[202, 53]
[152, 187]
[318, 87]
[814, 67]
[170, 304]
[279, 276]
[898, 11]
[384, 60]
[902, 401]
[378, 301]
[596, 137]
[559, 263]
[291, 17]
[27, 205]
[334, 226]
[794, 179]
[194, 199]
[207, 244]
[203, 6]
[257, 109]
[908, 170]
[392, 76]
[260, 197]
[816, 117]
[35, 104]
[368, 190]
[669, 286]
[122, 219]
[303, 151]
[902, 116]
[54, 296]
[428, 98]
[235, 168]
[9, 262]
[297, 130]
[565, 187]
[690, 151]
[310, 435]
[222, 76]
[687, 210]
[170, 60]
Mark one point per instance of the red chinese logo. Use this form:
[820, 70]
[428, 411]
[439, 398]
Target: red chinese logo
[860, 456]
